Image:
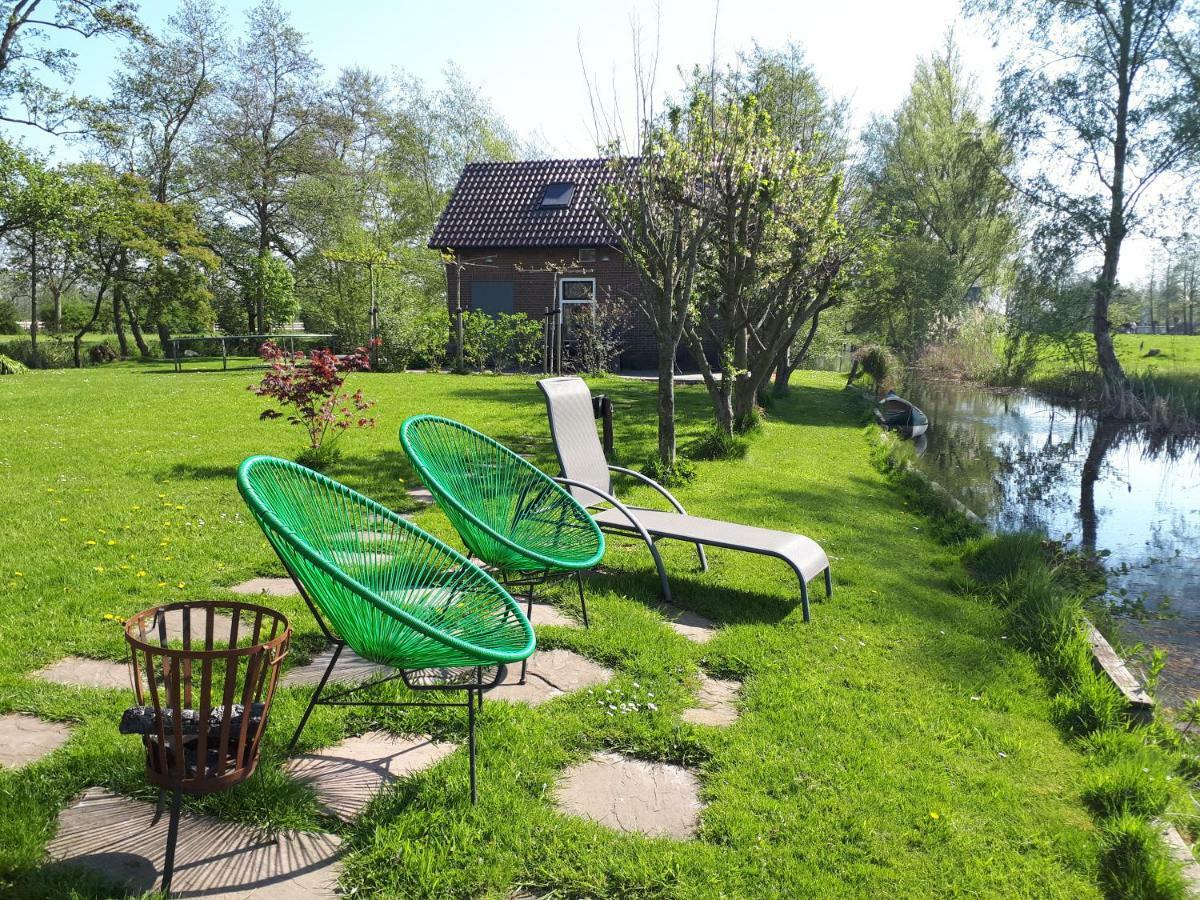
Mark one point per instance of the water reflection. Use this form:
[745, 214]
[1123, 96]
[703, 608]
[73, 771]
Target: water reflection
[1024, 463]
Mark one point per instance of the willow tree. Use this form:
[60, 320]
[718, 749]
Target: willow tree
[1104, 96]
[938, 179]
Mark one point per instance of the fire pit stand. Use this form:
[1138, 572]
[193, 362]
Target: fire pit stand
[204, 675]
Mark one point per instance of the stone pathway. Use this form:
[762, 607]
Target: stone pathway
[25, 739]
[548, 614]
[632, 795]
[348, 775]
[551, 674]
[270, 587]
[350, 668]
[422, 495]
[117, 838]
[692, 626]
[75, 671]
[716, 703]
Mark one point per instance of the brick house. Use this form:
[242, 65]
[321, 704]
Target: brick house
[529, 238]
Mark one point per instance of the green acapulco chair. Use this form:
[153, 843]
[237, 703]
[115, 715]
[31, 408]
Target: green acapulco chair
[508, 512]
[380, 585]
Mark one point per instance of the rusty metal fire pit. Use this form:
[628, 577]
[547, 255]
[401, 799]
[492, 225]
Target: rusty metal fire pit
[204, 675]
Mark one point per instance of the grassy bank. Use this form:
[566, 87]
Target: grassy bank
[899, 745]
[1138, 772]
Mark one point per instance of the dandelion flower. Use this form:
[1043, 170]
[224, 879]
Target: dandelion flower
[111, 542]
[18, 574]
[91, 543]
[98, 568]
[141, 573]
[934, 815]
[63, 519]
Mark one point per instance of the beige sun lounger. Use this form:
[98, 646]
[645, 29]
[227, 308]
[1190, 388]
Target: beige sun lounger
[589, 476]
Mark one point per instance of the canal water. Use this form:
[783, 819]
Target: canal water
[1022, 462]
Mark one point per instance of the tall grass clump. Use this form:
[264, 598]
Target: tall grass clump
[1136, 769]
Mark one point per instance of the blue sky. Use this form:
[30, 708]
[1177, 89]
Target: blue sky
[529, 56]
[526, 54]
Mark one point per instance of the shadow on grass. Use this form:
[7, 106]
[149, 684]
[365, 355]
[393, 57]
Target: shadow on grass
[385, 477]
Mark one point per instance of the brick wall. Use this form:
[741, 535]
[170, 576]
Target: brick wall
[533, 288]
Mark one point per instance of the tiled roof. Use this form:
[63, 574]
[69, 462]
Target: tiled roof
[498, 204]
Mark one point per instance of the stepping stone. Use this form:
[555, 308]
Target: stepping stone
[350, 668]
[551, 674]
[25, 739]
[422, 495]
[547, 614]
[75, 671]
[271, 587]
[348, 559]
[632, 795]
[689, 624]
[118, 839]
[348, 775]
[716, 703]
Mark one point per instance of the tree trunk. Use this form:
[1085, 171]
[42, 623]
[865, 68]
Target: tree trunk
[138, 337]
[33, 303]
[666, 403]
[56, 296]
[787, 363]
[77, 342]
[164, 337]
[1116, 388]
[118, 325]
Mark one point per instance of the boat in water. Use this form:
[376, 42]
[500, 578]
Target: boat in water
[898, 414]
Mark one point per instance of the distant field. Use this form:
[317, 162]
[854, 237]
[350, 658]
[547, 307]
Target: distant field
[1178, 354]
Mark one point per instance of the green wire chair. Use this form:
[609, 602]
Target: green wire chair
[508, 512]
[379, 584]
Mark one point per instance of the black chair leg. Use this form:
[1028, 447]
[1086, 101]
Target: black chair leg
[828, 583]
[172, 839]
[582, 601]
[528, 615]
[337, 651]
[471, 743]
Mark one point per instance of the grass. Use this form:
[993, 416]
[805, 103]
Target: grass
[898, 745]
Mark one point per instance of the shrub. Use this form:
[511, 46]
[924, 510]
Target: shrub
[1134, 864]
[53, 353]
[104, 352]
[717, 444]
[877, 363]
[314, 392]
[8, 319]
[682, 472]
[9, 366]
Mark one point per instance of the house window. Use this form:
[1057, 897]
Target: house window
[558, 195]
[492, 297]
[577, 290]
[587, 254]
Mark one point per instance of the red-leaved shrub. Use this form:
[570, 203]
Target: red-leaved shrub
[309, 387]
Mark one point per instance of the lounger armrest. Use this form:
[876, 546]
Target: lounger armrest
[617, 504]
[645, 479]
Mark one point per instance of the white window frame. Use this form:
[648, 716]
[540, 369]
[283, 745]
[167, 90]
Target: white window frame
[563, 300]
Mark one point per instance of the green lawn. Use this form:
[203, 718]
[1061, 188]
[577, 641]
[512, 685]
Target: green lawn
[1179, 354]
[896, 746]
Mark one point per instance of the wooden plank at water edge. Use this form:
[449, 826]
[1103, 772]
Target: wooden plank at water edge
[1114, 667]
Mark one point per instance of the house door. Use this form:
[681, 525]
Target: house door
[577, 306]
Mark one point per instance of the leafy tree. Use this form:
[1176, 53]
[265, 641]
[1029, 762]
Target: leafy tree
[272, 282]
[938, 178]
[265, 133]
[774, 253]
[29, 56]
[655, 206]
[1105, 95]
